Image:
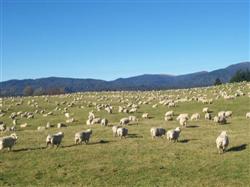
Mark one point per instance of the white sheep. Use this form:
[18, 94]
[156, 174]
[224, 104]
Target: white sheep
[122, 132]
[83, 136]
[55, 139]
[183, 121]
[220, 119]
[24, 125]
[8, 141]
[157, 132]
[182, 116]
[61, 125]
[248, 115]
[124, 121]
[104, 122]
[96, 121]
[228, 114]
[2, 127]
[174, 134]
[208, 116]
[205, 110]
[114, 130]
[222, 142]
[195, 116]
[145, 115]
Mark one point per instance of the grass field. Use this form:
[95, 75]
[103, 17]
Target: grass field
[137, 160]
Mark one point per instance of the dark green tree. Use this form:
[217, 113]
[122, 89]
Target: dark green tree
[241, 76]
[28, 91]
[217, 82]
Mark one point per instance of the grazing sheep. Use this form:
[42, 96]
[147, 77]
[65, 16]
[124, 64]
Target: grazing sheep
[145, 115]
[157, 132]
[83, 136]
[96, 121]
[220, 119]
[41, 128]
[67, 115]
[174, 134]
[168, 118]
[114, 130]
[208, 116]
[8, 141]
[70, 120]
[205, 110]
[182, 116]
[2, 127]
[54, 139]
[24, 125]
[221, 114]
[228, 114]
[61, 125]
[183, 122]
[48, 125]
[248, 115]
[169, 113]
[124, 121]
[122, 132]
[132, 118]
[88, 122]
[195, 116]
[104, 122]
[222, 142]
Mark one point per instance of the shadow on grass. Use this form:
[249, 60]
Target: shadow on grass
[186, 140]
[28, 149]
[193, 126]
[238, 148]
[90, 143]
[134, 136]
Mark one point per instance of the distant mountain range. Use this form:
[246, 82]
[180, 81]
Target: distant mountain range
[141, 82]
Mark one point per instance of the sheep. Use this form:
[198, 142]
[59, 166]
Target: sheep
[67, 115]
[96, 121]
[8, 141]
[220, 119]
[208, 116]
[183, 121]
[222, 142]
[83, 136]
[88, 122]
[2, 127]
[169, 113]
[48, 125]
[114, 130]
[182, 116]
[221, 114]
[174, 134]
[228, 114]
[41, 128]
[104, 122]
[157, 132]
[248, 115]
[122, 132]
[195, 116]
[205, 110]
[60, 125]
[124, 121]
[24, 125]
[54, 139]
[70, 120]
[145, 116]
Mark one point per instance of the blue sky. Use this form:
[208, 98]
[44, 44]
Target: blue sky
[112, 39]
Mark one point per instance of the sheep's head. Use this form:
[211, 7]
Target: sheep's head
[178, 129]
[14, 136]
[223, 133]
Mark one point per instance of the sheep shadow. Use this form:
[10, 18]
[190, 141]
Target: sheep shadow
[186, 140]
[193, 126]
[237, 148]
[134, 136]
[90, 143]
[28, 149]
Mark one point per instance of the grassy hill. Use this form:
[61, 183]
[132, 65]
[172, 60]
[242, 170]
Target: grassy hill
[137, 160]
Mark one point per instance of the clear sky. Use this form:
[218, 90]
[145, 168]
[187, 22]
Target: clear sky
[112, 39]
